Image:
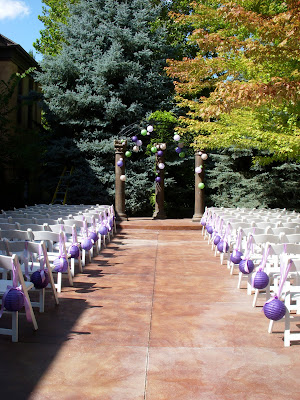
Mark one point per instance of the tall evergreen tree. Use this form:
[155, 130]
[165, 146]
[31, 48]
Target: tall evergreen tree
[109, 74]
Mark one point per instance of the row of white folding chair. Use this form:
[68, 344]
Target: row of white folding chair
[50, 238]
[11, 264]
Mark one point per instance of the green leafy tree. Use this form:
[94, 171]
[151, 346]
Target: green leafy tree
[108, 75]
[54, 15]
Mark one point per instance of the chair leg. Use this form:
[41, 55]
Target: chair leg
[42, 300]
[70, 277]
[73, 266]
[255, 297]
[249, 285]
[58, 284]
[271, 323]
[15, 326]
[240, 280]
[287, 331]
[80, 264]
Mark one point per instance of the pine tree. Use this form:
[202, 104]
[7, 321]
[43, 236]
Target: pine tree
[108, 75]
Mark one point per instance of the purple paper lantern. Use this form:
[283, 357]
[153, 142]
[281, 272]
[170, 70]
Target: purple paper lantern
[236, 256]
[60, 264]
[111, 221]
[102, 230]
[203, 222]
[222, 246]
[209, 229]
[87, 244]
[178, 150]
[93, 235]
[260, 280]
[37, 280]
[158, 179]
[160, 153]
[274, 309]
[246, 266]
[134, 138]
[120, 163]
[14, 300]
[73, 251]
[217, 239]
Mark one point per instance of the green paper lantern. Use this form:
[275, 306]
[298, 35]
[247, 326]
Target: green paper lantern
[201, 185]
[182, 154]
[144, 132]
[153, 149]
[128, 153]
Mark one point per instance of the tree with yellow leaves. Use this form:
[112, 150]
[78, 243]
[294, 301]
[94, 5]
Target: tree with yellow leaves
[243, 87]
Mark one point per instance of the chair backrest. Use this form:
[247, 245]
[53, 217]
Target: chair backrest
[50, 238]
[16, 234]
[6, 226]
[49, 221]
[33, 227]
[33, 248]
[286, 231]
[291, 225]
[12, 220]
[267, 238]
[10, 262]
[295, 238]
[3, 247]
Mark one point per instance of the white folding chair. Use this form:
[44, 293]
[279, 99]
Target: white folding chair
[50, 239]
[292, 304]
[32, 256]
[11, 264]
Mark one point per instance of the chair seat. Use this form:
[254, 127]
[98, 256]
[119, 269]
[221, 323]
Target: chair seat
[4, 283]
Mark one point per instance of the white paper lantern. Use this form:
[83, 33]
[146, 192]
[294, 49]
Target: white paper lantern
[181, 145]
[139, 142]
[163, 146]
[176, 137]
[135, 148]
[123, 178]
[150, 128]
[161, 165]
[198, 170]
[158, 146]
[204, 156]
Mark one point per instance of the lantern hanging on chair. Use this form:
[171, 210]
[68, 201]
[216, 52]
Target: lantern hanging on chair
[246, 266]
[274, 309]
[60, 264]
[93, 235]
[14, 300]
[236, 256]
[87, 244]
[102, 230]
[40, 279]
[223, 246]
[260, 279]
[217, 239]
[73, 250]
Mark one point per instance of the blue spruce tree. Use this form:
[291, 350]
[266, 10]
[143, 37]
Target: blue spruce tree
[109, 74]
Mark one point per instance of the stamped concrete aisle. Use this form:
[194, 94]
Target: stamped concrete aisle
[154, 317]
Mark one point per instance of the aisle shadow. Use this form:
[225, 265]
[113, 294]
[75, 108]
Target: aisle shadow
[24, 363]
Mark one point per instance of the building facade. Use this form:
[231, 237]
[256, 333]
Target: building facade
[18, 177]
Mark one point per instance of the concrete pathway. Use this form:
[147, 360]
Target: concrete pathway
[154, 317]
